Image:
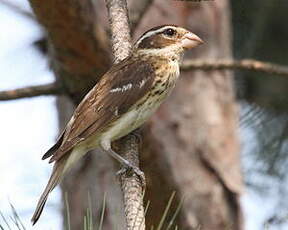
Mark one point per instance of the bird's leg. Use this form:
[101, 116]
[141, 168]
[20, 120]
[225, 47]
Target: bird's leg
[127, 166]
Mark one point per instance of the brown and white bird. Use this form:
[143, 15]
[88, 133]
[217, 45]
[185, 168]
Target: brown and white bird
[123, 100]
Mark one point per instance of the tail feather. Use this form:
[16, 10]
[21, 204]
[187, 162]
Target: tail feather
[57, 173]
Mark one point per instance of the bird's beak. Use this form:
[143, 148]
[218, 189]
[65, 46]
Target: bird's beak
[191, 40]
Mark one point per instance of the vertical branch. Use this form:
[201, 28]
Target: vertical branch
[130, 184]
[120, 31]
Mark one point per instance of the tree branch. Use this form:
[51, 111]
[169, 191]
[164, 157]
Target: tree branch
[130, 184]
[245, 64]
[206, 65]
[120, 31]
[32, 91]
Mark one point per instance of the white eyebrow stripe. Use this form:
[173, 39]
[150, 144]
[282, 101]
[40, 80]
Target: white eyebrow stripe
[122, 88]
[153, 32]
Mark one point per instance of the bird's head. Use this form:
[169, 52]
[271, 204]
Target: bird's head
[166, 39]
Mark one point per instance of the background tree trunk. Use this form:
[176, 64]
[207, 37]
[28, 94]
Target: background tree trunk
[190, 145]
[192, 141]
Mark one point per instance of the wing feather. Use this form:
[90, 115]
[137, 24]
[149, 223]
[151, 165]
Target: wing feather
[116, 93]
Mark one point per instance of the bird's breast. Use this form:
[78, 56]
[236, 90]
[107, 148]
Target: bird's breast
[162, 85]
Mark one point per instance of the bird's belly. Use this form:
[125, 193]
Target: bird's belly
[128, 122]
[133, 119]
[121, 127]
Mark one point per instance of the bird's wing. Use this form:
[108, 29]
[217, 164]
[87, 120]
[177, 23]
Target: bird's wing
[118, 90]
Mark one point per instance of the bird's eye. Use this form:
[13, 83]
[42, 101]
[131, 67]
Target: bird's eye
[169, 32]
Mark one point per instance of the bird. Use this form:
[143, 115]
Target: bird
[125, 97]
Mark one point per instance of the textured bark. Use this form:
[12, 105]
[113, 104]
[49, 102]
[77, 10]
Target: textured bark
[120, 31]
[131, 185]
[190, 144]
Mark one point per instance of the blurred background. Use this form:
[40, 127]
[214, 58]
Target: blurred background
[29, 126]
[32, 122]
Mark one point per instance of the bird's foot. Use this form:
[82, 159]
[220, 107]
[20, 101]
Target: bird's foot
[129, 169]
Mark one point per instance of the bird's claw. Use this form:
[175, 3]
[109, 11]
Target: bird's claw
[130, 170]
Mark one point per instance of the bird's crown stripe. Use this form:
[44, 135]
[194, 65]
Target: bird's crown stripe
[152, 32]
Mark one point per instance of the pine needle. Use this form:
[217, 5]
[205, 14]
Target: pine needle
[175, 213]
[102, 212]
[4, 219]
[166, 211]
[67, 211]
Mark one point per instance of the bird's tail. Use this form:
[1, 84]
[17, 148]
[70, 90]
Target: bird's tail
[57, 173]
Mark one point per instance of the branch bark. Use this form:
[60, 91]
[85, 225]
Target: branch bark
[32, 91]
[120, 31]
[130, 184]
[245, 64]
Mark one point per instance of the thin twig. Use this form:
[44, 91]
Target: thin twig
[245, 64]
[32, 91]
[131, 185]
